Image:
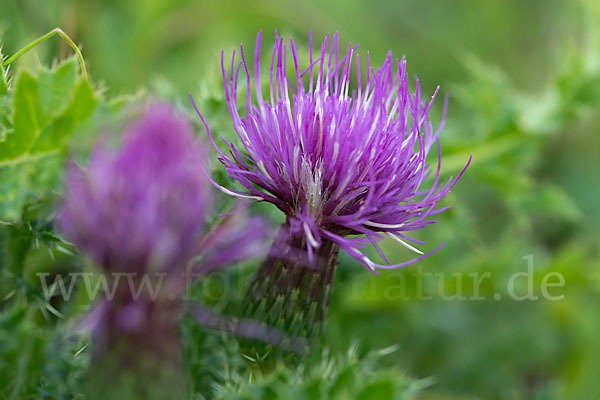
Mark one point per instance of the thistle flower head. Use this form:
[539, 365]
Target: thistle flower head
[341, 150]
[141, 207]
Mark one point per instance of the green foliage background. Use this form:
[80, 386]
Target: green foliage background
[524, 84]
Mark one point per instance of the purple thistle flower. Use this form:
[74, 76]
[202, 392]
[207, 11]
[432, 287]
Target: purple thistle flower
[345, 159]
[337, 163]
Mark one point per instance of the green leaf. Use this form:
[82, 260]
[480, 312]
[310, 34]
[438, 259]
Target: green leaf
[50, 105]
[56, 89]
[81, 106]
[26, 119]
[5, 115]
[36, 120]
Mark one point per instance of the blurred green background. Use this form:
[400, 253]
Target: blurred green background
[523, 79]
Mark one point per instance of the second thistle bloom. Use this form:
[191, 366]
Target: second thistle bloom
[141, 209]
[141, 213]
[341, 151]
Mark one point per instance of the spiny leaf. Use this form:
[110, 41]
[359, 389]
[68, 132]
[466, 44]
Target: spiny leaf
[56, 88]
[37, 116]
[3, 80]
[26, 119]
[54, 135]
[5, 115]
[51, 104]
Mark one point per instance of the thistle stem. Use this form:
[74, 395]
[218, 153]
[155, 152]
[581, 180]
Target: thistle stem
[137, 349]
[289, 292]
[55, 31]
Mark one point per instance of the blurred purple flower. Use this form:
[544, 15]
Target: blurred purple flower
[142, 211]
[344, 166]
